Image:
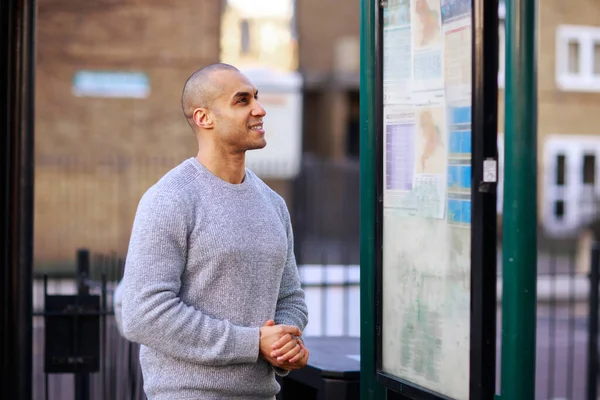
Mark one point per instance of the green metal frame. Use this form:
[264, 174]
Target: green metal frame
[520, 202]
[369, 388]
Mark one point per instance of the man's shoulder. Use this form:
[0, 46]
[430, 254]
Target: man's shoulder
[174, 184]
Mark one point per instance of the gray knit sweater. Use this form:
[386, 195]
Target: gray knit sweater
[209, 262]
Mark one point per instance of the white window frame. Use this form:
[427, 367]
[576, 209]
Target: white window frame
[574, 192]
[585, 36]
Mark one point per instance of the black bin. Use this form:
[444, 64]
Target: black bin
[333, 371]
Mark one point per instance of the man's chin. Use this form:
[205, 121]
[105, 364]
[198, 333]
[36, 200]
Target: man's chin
[258, 146]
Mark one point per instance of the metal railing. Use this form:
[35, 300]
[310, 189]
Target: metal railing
[78, 350]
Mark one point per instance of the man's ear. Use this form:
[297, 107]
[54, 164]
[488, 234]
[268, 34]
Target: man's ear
[203, 118]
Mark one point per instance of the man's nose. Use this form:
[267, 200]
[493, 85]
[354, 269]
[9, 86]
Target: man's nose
[258, 110]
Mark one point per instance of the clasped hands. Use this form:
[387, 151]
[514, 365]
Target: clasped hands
[281, 347]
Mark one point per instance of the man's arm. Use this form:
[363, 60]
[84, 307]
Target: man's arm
[291, 307]
[152, 312]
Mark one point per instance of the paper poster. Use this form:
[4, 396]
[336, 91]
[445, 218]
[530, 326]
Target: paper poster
[398, 159]
[426, 255]
[456, 17]
[399, 165]
[430, 162]
[397, 72]
[459, 166]
[456, 22]
[427, 44]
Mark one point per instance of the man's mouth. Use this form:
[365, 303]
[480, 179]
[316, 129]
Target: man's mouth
[257, 128]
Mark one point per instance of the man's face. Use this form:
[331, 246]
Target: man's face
[238, 116]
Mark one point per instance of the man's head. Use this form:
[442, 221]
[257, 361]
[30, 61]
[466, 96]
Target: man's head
[221, 105]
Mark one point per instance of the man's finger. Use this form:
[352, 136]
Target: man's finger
[290, 354]
[292, 330]
[282, 341]
[297, 357]
[284, 349]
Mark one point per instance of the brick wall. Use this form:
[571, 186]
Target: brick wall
[95, 157]
[322, 25]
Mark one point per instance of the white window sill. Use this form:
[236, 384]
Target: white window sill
[572, 84]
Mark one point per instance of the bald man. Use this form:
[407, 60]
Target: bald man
[211, 288]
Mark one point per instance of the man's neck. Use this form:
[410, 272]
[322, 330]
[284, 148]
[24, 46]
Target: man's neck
[228, 167]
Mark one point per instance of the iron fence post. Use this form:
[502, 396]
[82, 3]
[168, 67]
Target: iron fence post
[592, 365]
[82, 380]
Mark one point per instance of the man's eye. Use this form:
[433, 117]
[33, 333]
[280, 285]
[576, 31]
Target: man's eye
[242, 100]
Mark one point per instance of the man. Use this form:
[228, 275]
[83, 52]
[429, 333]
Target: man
[210, 268]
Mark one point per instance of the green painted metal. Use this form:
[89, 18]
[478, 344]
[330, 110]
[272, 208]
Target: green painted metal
[369, 388]
[520, 204]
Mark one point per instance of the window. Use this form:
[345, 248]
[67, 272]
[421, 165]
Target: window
[573, 57]
[559, 209]
[570, 195]
[578, 58]
[245, 36]
[589, 169]
[596, 58]
[560, 170]
[501, 43]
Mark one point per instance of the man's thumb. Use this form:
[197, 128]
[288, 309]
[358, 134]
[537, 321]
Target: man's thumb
[270, 323]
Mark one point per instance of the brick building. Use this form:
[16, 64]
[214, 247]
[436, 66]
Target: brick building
[96, 153]
[568, 97]
[95, 156]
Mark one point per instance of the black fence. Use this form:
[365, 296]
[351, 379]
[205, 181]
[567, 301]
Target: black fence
[563, 328]
[79, 352]
[326, 211]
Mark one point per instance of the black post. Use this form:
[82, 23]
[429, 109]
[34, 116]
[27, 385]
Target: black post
[82, 379]
[17, 24]
[592, 367]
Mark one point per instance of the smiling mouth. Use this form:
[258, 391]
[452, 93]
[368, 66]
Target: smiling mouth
[257, 128]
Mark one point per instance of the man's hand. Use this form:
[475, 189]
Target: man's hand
[288, 352]
[301, 362]
[270, 334]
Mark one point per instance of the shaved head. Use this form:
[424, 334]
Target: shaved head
[201, 88]
[222, 108]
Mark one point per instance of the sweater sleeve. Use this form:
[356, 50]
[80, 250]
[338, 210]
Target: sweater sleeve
[291, 307]
[152, 312]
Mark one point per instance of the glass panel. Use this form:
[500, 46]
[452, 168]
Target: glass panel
[573, 57]
[427, 194]
[589, 169]
[559, 209]
[596, 58]
[560, 170]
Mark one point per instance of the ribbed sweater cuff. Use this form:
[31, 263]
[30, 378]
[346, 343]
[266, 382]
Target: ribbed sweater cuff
[247, 344]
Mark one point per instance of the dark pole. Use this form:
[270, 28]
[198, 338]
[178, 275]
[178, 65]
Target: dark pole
[484, 141]
[592, 367]
[82, 379]
[369, 388]
[17, 21]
